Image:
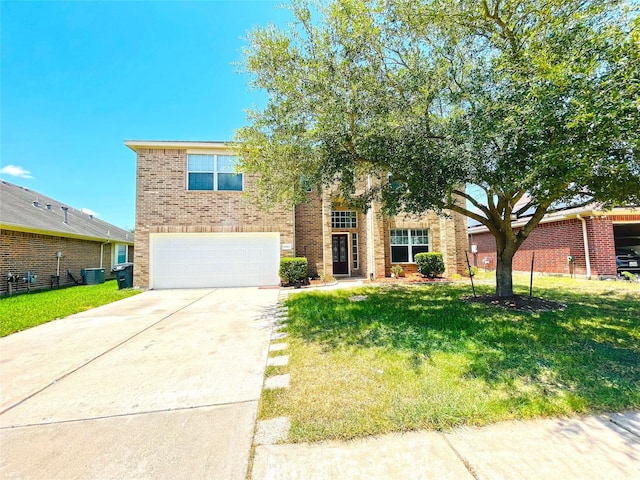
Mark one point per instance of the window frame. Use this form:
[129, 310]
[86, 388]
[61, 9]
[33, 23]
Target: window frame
[412, 233]
[339, 219]
[115, 251]
[354, 250]
[215, 172]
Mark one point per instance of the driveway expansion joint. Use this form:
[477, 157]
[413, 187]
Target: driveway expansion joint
[132, 414]
[464, 461]
[109, 350]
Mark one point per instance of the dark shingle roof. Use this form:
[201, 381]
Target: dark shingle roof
[25, 210]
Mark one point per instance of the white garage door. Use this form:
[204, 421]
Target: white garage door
[201, 260]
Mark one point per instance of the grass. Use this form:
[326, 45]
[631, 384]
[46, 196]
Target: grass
[28, 310]
[418, 357]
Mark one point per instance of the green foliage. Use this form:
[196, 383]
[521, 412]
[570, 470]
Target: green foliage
[293, 270]
[31, 309]
[471, 271]
[430, 264]
[397, 271]
[629, 276]
[530, 105]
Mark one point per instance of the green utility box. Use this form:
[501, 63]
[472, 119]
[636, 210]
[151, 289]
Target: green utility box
[92, 276]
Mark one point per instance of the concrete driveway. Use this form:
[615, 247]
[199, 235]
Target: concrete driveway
[164, 384]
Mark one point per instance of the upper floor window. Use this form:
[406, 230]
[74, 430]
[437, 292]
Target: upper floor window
[344, 219]
[213, 172]
[406, 243]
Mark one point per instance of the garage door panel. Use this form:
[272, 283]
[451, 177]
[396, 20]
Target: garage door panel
[214, 260]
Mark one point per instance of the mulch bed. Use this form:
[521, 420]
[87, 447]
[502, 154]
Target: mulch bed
[519, 303]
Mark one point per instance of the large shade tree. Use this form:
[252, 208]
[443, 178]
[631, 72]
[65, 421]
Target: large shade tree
[533, 103]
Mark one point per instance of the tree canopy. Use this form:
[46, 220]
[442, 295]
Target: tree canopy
[536, 103]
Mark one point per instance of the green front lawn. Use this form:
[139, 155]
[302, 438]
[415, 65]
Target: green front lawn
[417, 357]
[30, 309]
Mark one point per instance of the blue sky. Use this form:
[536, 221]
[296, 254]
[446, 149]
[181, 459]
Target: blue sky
[79, 78]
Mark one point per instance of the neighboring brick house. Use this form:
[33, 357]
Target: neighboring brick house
[589, 235]
[195, 228]
[41, 235]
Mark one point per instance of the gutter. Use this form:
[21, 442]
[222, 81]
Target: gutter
[586, 244]
[52, 233]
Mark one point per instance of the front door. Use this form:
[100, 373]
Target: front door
[340, 250]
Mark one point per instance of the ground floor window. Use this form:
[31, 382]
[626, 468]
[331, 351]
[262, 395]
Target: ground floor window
[406, 243]
[120, 253]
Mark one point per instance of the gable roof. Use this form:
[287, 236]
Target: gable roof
[25, 210]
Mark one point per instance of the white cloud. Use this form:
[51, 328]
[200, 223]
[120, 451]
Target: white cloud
[88, 212]
[16, 171]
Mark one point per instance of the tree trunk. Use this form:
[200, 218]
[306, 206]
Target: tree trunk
[504, 269]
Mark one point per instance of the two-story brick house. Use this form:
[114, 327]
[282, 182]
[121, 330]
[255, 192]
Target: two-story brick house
[195, 228]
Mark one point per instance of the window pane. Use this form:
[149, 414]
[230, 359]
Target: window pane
[419, 237]
[122, 254]
[399, 254]
[399, 237]
[344, 219]
[226, 163]
[418, 249]
[200, 163]
[354, 249]
[201, 181]
[230, 181]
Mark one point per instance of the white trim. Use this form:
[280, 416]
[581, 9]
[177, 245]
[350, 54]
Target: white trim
[215, 172]
[408, 245]
[52, 233]
[180, 144]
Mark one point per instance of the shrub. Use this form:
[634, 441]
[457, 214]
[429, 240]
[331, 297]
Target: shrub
[293, 270]
[397, 271]
[430, 264]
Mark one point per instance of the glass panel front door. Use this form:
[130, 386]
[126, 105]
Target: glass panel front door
[340, 253]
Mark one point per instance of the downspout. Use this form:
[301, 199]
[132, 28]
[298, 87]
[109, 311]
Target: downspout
[102, 251]
[371, 264]
[585, 240]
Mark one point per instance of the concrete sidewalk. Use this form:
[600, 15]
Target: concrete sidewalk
[595, 447]
[162, 385]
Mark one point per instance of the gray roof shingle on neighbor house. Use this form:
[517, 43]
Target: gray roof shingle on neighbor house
[26, 210]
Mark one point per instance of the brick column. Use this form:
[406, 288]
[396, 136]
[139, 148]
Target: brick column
[327, 257]
[602, 248]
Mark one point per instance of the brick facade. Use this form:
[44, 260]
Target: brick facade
[164, 205]
[373, 230]
[309, 228]
[554, 242]
[23, 251]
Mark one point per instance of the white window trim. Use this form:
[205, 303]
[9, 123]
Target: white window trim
[409, 245]
[114, 253]
[214, 173]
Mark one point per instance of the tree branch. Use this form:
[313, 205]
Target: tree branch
[475, 203]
